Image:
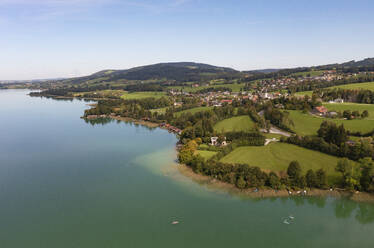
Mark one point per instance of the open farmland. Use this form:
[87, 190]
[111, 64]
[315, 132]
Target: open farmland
[352, 107]
[307, 124]
[142, 95]
[206, 154]
[237, 123]
[365, 86]
[192, 110]
[277, 156]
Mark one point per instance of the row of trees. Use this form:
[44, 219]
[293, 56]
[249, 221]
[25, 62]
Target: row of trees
[348, 95]
[357, 176]
[308, 85]
[332, 139]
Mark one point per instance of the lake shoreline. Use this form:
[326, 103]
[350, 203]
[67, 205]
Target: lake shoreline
[271, 193]
[250, 192]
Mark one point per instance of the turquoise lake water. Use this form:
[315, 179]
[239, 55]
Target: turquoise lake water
[71, 184]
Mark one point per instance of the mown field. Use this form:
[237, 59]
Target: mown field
[307, 124]
[351, 106]
[277, 156]
[365, 86]
[141, 95]
[303, 93]
[193, 110]
[237, 123]
[206, 154]
[159, 110]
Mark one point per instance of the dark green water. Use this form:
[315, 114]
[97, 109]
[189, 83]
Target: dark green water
[66, 183]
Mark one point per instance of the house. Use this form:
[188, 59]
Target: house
[226, 101]
[332, 114]
[350, 143]
[339, 100]
[213, 141]
[320, 110]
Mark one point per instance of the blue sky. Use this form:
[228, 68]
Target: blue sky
[64, 38]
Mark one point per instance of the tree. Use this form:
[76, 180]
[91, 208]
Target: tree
[332, 134]
[294, 170]
[347, 114]
[311, 179]
[367, 177]
[240, 183]
[274, 181]
[350, 173]
[365, 114]
[321, 177]
[356, 114]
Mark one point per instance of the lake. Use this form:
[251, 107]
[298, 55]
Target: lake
[72, 184]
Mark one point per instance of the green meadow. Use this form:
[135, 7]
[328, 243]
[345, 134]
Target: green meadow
[307, 124]
[206, 154]
[365, 86]
[237, 123]
[159, 110]
[192, 110]
[277, 156]
[351, 106]
[141, 95]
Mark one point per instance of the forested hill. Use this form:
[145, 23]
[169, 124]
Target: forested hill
[365, 63]
[181, 71]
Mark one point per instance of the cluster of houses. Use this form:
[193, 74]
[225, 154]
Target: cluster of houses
[214, 141]
[323, 111]
[218, 99]
[171, 128]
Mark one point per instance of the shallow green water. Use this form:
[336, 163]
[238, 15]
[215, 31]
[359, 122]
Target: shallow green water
[67, 183]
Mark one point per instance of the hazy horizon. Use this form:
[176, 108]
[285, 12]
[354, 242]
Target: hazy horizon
[71, 38]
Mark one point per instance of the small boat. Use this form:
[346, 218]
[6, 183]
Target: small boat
[291, 217]
[175, 222]
[286, 222]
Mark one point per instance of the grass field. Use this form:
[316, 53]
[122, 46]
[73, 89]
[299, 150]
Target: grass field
[193, 110]
[272, 135]
[351, 106]
[366, 86]
[306, 124]
[277, 156]
[159, 110]
[141, 95]
[303, 93]
[238, 123]
[206, 154]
